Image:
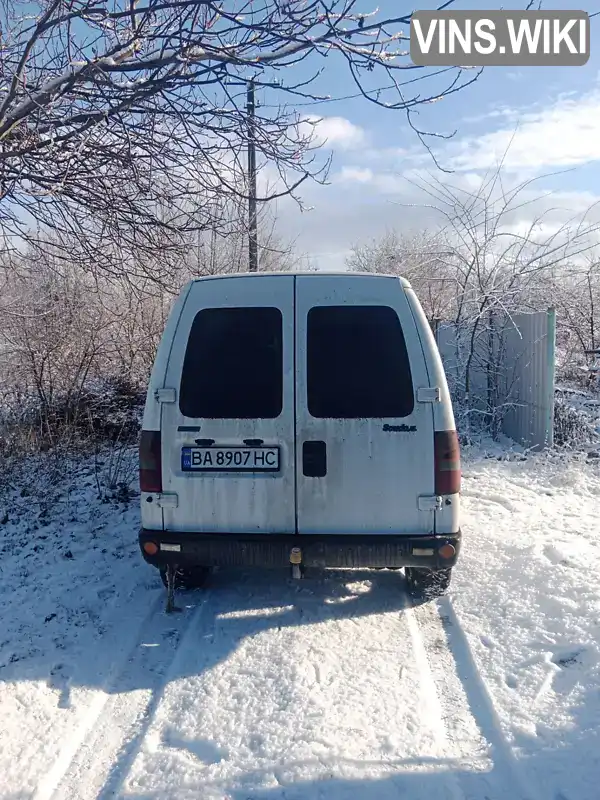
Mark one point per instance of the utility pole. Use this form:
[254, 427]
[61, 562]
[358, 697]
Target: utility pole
[252, 236]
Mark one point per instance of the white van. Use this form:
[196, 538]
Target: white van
[303, 419]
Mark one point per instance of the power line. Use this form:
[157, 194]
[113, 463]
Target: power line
[322, 100]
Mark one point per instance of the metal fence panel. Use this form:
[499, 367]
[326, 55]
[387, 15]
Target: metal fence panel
[511, 371]
[530, 351]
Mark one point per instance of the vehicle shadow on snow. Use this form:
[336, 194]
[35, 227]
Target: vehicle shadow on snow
[413, 785]
[237, 605]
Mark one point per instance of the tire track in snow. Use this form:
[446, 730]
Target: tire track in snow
[121, 766]
[47, 786]
[430, 702]
[506, 778]
[119, 713]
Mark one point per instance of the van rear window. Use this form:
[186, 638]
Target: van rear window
[233, 365]
[357, 363]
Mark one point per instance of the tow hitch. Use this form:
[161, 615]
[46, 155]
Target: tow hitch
[296, 562]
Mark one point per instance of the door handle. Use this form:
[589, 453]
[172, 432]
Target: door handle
[314, 459]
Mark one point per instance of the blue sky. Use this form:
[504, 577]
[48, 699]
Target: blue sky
[551, 114]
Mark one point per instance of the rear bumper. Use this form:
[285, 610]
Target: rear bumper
[273, 550]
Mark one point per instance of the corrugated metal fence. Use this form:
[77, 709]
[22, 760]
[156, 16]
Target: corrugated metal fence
[502, 368]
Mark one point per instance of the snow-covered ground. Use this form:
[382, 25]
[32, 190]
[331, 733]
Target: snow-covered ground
[333, 687]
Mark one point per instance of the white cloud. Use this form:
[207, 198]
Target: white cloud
[383, 183]
[565, 134]
[361, 204]
[335, 132]
[373, 190]
[355, 175]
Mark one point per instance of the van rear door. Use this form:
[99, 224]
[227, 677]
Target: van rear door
[365, 446]
[227, 429]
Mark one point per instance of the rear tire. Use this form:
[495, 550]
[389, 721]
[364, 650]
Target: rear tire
[428, 583]
[192, 578]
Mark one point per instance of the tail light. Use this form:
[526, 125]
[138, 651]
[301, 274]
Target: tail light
[150, 462]
[447, 462]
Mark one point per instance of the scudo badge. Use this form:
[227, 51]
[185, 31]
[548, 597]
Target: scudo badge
[400, 428]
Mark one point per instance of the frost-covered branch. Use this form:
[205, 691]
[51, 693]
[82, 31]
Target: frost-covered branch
[120, 118]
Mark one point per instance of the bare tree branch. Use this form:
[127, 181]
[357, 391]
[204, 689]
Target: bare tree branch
[120, 118]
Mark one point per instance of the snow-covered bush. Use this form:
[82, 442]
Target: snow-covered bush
[574, 424]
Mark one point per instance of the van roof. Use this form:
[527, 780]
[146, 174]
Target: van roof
[312, 273]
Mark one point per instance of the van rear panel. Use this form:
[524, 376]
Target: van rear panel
[293, 405]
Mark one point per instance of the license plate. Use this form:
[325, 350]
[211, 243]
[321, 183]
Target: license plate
[230, 459]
